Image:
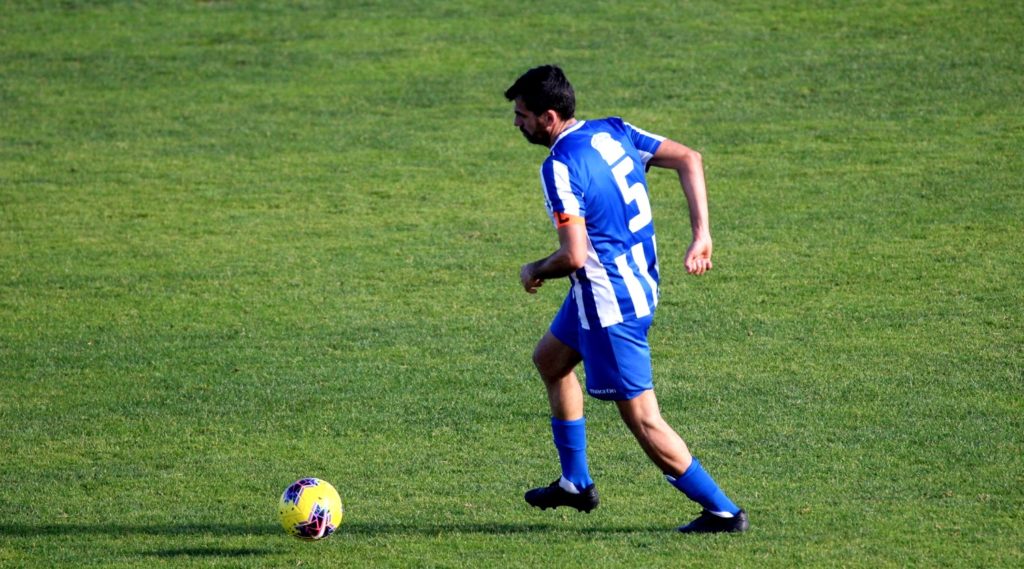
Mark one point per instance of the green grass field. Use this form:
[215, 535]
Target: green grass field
[243, 243]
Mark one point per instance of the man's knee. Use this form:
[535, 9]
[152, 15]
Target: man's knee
[642, 414]
[539, 359]
[548, 368]
[646, 425]
[553, 359]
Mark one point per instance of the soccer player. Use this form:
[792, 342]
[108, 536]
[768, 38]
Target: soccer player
[595, 190]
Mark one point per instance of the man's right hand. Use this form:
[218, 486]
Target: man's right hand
[530, 283]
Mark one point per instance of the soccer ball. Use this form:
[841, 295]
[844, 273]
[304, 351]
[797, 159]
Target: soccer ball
[310, 509]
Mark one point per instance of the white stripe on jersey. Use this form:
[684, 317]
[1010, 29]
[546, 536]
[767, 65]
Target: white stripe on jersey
[570, 204]
[645, 156]
[607, 304]
[636, 290]
[641, 262]
[544, 190]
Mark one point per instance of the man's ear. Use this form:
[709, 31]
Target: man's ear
[548, 117]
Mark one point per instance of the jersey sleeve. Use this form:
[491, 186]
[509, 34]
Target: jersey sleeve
[562, 196]
[646, 143]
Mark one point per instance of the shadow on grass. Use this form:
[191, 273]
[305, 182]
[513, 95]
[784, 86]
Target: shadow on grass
[457, 528]
[212, 552]
[159, 530]
[30, 530]
[267, 547]
[359, 529]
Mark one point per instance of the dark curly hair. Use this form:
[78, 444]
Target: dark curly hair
[542, 88]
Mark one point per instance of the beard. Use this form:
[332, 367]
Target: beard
[538, 138]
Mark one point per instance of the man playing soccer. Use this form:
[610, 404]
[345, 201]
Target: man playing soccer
[595, 190]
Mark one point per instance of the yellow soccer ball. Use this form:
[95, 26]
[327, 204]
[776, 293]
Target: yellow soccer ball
[310, 509]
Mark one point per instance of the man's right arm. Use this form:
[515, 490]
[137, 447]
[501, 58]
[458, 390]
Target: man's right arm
[570, 256]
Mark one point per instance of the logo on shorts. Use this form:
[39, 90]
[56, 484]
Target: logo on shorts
[603, 391]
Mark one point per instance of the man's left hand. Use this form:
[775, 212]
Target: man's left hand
[698, 256]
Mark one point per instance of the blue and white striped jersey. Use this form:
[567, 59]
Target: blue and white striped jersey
[596, 172]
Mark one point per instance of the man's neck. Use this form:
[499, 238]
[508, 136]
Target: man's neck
[560, 127]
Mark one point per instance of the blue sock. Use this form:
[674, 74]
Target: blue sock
[698, 486]
[571, 442]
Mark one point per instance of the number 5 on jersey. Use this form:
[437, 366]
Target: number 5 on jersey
[611, 150]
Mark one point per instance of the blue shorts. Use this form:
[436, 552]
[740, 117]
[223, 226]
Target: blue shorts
[617, 359]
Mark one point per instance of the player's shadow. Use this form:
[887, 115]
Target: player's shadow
[166, 530]
[354, 528]
[213, 551]
[30, 530]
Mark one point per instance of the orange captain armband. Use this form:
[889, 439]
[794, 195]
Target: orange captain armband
[563, 219]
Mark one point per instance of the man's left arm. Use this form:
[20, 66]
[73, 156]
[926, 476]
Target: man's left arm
[690, 167]
[570, 256]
